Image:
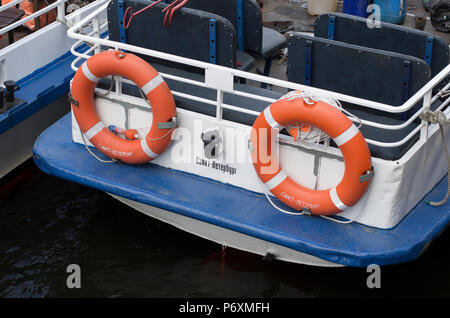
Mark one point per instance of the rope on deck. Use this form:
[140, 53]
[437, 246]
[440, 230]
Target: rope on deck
[438, 117]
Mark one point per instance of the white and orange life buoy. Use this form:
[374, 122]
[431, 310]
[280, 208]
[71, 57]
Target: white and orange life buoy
[149, 81]
[339, 127]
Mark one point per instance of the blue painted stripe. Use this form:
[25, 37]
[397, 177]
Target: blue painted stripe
[308, 61]
[121, 11]
[331, 26]
[429, 50]
[240, 25]
[212, 41]
[39, 89]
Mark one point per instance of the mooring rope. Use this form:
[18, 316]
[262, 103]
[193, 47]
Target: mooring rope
[438, 117]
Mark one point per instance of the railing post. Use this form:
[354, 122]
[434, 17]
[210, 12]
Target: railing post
[3, 70]
[426, 106]
[219, 110]
[118, 80]
[96, 27]
[61, 10]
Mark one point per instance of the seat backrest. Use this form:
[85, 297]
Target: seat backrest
[245, 15]
[389, 37]
[377, 75]
[193, 33]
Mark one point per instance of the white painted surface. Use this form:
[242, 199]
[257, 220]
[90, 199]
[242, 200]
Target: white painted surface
[17, 142]
[40, 48]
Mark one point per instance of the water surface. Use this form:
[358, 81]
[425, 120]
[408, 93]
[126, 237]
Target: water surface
[48, 223]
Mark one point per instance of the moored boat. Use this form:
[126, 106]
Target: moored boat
[34, 79]
[375, 167]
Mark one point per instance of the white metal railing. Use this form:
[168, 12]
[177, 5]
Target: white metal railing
[10, 5]
[228, 74]
[59, 4]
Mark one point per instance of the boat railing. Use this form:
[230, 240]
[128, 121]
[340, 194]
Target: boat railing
[222, 80]
[59, 5]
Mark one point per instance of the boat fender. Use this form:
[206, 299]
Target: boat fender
[152, 85]
[358, 166]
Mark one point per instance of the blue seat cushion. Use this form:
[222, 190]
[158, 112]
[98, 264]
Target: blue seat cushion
[272, 43]
[244, 61]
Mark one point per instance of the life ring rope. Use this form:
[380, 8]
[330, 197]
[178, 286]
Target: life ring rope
[302, 212]
[306, 133]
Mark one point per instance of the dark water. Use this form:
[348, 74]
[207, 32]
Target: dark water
[47, 223]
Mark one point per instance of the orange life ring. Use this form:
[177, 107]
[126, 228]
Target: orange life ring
[339, 127]
[146, 78]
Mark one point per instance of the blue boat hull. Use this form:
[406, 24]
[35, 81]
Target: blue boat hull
[240, 210]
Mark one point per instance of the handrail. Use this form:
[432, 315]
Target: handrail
[72, 32]
[10, 4]
[424, 93]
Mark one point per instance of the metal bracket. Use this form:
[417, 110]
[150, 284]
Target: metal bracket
[168, 125]
[308, 60]
[250, 146]
[331, 25]
[429, 50]
[269, 257]
[72, 100]
[212, 41]
[240, 24]
[368, 176]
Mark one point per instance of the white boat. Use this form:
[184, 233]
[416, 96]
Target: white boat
[39, 64]
[222, 197]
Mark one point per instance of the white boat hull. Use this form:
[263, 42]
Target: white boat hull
[16, 144]
[227, 237]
